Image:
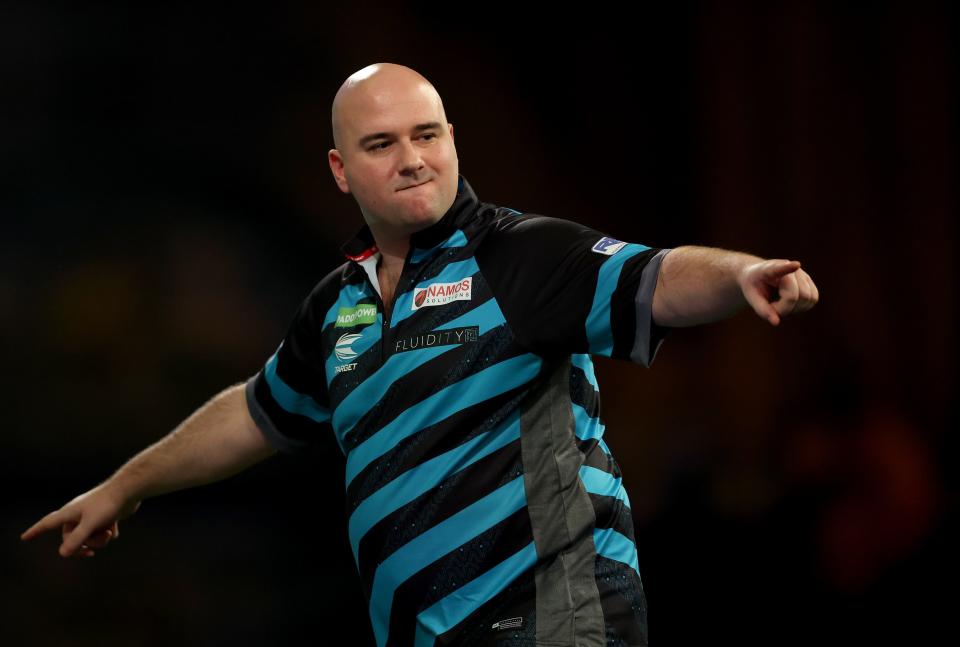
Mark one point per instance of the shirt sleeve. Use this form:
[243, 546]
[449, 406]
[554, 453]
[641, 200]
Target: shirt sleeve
[287, 398]
[566, 288]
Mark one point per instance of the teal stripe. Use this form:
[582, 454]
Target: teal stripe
[369, 335]
[584, 426]
[451, 273]
[603, 483]
[290, 400]
[613, 545]
[458, 239]
[414, 482]
[350, 295]
[433, 544]
[584, 363]
[447, 613]
[488, 383]
[487, 316]
[599, 331]
[587, 428]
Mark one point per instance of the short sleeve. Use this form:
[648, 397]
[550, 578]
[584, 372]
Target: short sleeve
[566, 288]
[287, 398]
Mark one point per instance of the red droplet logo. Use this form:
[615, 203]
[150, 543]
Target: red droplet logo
[419, 298]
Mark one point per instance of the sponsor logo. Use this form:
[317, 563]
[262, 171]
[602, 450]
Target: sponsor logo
[447, 337]
[608, 246]
[509, 623]
[342, 350]
[437, 294]
[361, 314]
[343, 368]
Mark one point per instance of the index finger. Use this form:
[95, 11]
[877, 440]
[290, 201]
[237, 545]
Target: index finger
[49, 522]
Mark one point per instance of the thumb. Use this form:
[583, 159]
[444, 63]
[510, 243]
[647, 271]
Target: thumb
[760, 305]
[73, 537]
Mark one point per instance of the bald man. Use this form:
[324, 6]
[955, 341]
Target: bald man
[449, 355]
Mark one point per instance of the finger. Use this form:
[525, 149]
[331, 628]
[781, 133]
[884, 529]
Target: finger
[116, 529]
[49, 522]
[813, 288]
[778, 268]
[761, 306]
[99, 539]
[68, 527]
[807, 298]
[789, 291]
[83, 551]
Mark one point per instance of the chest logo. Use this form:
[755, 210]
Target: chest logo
[448, 337]
[343, 350]
[438, 294]
[608, 246]
[361, 314]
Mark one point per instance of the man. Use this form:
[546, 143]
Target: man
[450, 356]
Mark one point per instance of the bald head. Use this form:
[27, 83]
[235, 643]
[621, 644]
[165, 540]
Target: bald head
[377, 86]
[394, 150]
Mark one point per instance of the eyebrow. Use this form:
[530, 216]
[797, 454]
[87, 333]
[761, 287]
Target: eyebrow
[366, 139]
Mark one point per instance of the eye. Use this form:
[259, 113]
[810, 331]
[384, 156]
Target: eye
[428, 136]
[379, 146]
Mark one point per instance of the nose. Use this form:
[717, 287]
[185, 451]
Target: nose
[410, 160]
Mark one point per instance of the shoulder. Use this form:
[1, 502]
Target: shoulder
[514, 233]
[508, 222]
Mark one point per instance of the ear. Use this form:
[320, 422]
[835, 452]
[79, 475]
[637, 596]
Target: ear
[335, 159]
[451, 131]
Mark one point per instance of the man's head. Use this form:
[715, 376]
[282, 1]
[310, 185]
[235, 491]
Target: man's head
[394, 149]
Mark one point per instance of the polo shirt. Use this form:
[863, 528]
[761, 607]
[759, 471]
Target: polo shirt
[484, 506]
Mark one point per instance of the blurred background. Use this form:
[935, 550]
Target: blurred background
[167, 204]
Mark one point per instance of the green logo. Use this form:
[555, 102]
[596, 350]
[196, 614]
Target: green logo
[359, 315]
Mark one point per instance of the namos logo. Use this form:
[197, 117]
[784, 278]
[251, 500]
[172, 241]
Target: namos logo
[438, 294]
[343, 350]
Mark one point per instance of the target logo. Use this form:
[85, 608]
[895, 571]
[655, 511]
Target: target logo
[343, 350]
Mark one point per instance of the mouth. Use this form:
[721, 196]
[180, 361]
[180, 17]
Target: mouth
[412, 186]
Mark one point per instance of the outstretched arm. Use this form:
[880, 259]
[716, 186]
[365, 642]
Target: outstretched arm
[217, 441]
[702, 284]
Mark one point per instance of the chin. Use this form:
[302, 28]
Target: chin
[422, 221]
[425, 212]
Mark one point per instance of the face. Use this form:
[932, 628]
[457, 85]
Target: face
[396, 155]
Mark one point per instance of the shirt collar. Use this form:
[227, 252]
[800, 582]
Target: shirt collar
[362, 246]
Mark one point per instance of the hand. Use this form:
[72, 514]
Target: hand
[89, 521]
[776, 288]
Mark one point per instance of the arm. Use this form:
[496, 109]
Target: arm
[217, 441]
[702, 284]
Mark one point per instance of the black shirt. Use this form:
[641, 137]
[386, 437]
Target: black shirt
[483, 502]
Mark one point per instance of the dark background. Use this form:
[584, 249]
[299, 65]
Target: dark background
[167, 204]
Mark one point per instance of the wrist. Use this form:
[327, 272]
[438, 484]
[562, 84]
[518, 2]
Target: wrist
[125, 488]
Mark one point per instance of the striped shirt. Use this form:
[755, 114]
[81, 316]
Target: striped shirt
[483, 502]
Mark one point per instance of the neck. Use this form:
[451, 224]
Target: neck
[393, 251]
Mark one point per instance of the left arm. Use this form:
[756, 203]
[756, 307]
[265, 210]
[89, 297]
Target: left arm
[702, 284]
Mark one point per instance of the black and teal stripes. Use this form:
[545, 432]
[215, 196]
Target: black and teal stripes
[437, 438]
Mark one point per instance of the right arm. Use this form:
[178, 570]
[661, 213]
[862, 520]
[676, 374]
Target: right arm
[219, 440]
